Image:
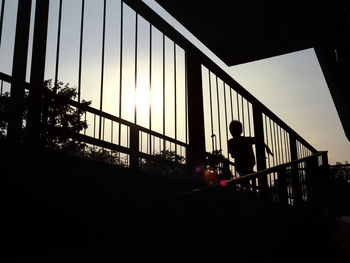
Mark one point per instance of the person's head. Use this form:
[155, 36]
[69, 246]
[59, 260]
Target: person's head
[236, 128]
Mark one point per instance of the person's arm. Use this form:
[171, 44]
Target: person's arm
[253, 141]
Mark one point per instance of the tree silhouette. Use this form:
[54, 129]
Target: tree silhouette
[4, 106]
[166, 162]
[58, 113]
[217, 161]
[60, 121]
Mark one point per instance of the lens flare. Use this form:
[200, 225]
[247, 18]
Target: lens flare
[210, 176]
[223, 183]
[199, 169]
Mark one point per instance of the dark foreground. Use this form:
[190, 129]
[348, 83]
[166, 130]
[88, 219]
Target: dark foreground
[59, 207]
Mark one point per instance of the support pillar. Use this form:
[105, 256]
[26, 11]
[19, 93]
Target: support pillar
[19, 69]
[196, 147]
[37, 71]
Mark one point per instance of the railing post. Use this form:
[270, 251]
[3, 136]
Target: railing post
[19, 68]
[325, 172]
[295, 170]
[196, 147]
[37, 71]
[134, 148]
[282, 188]
[260, 149]
[312, 184]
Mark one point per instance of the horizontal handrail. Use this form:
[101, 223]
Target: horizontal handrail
[251, 176]
[275, 168]
[104, 114]
[124, 122]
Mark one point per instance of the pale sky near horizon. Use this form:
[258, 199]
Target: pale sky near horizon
[293, 87]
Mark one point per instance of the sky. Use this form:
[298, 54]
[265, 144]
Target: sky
[292, 85]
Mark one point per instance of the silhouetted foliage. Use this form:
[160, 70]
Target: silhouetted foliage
[166, 162]
[108, 156]
[341, 172]
[60, 120]
[5, 112]
[217, 161]
[60, 114]
[4, 108]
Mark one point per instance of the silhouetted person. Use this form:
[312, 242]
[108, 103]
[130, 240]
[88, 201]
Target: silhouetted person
[241, 148]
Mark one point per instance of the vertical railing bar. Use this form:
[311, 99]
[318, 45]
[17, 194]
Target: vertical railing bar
[103, 128]
[127, 136]
[186, 103]
[238, 117]
[140, 146]
[280, 142]
[1, 87]
[276, 141]
[81, 47]
[160, 145]
[273, 146]
[154, 144]
[243, 122]
[135, 90]
[250, 133]
[111, 131]
[2, 18]
[267, 140]
[94, 125]
[226, 118]
[148, 142]
[150, 82]
[85, 122]
[276, 146]
[164, 143]
[211, 113]
[301, 150]
[288, 149]
[128, 130]
[120, 69]
[285, 145]
[58, 41]
[283, 139]
[219, 122]
[175, 97]
[297, 146]
[231, 103]
[233, 118]
[102, 65]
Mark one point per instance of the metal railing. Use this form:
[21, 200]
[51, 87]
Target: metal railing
[155, 96]
[299, 183]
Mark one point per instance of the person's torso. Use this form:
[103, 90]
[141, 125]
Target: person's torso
[242, 150]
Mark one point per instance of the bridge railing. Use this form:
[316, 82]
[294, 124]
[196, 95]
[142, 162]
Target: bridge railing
[302, 183]
[155, 95]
